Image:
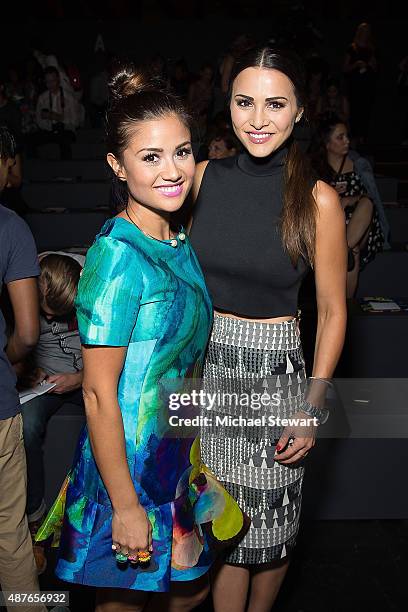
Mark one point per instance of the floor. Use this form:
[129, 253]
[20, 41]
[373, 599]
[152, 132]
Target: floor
[339, 566]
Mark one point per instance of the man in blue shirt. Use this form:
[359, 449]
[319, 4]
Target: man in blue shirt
[18, 271]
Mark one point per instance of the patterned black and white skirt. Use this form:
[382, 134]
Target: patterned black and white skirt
[255, 374]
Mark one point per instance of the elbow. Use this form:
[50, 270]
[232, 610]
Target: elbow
[90, 399]
[29, 338]
[333, 312]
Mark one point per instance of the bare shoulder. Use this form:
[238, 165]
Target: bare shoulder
[198, 177]
[328, 203]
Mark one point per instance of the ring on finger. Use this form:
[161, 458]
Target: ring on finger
[121, 557]
[144, 556]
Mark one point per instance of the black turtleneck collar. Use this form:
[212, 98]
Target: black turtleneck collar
[263, 166]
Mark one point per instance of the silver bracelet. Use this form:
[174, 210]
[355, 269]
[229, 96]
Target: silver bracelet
[323, 379]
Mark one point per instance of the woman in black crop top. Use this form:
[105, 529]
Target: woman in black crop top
[259, 221]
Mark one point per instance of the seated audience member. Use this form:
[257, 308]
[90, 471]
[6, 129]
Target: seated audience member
[333, 102]
[46, 60]
[57, 359]
[10, 114]
[58, 116]
[222, 144]
[352, 177]
[18, 271]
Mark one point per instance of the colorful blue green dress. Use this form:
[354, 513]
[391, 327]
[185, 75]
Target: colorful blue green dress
[149, 296]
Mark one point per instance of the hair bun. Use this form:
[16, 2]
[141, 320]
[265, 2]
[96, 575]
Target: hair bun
[127, 80]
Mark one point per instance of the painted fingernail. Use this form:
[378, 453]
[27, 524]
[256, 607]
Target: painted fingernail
[278, 447]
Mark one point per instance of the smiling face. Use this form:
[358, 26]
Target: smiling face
[158, 164]
[338, 142]
[263, 109]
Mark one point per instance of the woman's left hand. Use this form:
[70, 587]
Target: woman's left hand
[303, 437]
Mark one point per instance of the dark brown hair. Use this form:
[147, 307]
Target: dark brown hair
[318, 150]
[58, 283]
[133, 97]
[298, 219]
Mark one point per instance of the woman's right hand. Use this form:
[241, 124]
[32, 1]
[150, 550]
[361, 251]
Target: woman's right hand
[131, 530]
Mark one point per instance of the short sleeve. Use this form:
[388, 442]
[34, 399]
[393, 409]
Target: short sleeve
[21, 251]
[109, 290]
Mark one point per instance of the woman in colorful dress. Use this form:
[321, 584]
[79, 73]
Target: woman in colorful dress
[259, 221]
[142, 514]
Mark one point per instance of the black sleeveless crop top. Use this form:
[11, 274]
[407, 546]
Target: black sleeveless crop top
[237, 239]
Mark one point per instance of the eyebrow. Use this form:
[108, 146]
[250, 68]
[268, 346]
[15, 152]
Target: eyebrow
[266, 99]
[155, 150]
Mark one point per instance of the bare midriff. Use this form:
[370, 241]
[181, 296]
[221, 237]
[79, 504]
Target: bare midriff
[223, 313]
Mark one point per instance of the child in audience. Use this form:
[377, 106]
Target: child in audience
[57, 359]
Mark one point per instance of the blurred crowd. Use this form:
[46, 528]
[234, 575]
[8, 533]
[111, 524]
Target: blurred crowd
[48, 98]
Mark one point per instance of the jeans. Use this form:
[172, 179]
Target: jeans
[36, 415]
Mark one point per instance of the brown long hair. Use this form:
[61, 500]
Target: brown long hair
[135, 96]
[298, 219]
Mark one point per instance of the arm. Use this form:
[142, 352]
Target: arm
[198, 177]
[330, 275]
[54, 116]
[102, 368]
[330, 278]
[24, 300]
[107, 307]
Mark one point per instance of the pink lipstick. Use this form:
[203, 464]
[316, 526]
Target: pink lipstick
[171, 191]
